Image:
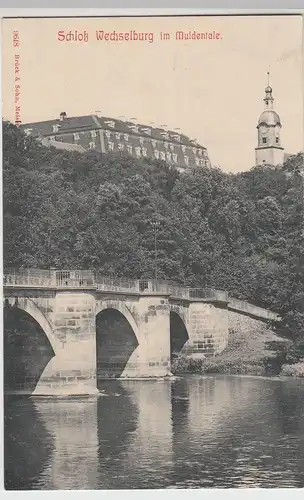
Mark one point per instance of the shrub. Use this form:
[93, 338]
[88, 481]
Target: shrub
[295, 370]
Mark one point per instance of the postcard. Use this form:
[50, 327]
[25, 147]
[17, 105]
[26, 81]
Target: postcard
[153, 252]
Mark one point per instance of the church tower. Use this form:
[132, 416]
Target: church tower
[269, 150]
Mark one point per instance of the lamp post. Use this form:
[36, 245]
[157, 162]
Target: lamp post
[155, 226]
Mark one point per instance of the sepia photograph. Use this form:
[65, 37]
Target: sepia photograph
[153, 252]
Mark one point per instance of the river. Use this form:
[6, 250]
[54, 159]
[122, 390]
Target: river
[193, 432]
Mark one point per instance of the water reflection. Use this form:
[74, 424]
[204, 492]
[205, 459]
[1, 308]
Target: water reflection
[148, 461]
[28, 445]
[73, 426]
[192, 433]
[233, 434]
[117, 422]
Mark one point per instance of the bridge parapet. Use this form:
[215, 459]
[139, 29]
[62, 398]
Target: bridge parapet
[184, 292]
[61, 279]
[28, 277]
[48, 278]
[117, 285]
[252, 310]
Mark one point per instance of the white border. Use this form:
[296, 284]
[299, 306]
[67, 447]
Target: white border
[113, 8]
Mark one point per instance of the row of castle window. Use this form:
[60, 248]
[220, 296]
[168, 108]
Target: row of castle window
[167, 145]
[159, 155]
[121, 147]
[118, 136]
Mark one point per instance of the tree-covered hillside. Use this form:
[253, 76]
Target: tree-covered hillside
[242, 233]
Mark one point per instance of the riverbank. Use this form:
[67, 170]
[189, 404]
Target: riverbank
[250, 351]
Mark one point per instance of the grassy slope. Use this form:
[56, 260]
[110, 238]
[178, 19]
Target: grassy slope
[247, 353]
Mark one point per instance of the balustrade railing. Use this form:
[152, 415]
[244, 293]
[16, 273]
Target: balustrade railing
[28, 277]
[83, 278]
[116, 284]
[208, 293]
[77, 278]
[179, 291]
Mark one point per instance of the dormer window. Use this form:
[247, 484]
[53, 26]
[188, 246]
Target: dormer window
[147, 131]
[76, 137]
[92, 145]
[110, 123]
[165, 135]
[56, 128]
[93, 133]
[134, 128]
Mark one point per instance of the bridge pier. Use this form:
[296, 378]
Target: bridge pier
[149, 318]
[71, 372]
[153, 353]
[73, 369]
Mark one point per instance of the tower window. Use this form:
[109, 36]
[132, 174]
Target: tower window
[264, 140]
[277, 140]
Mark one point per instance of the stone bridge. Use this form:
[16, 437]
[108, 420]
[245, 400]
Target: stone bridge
[66, 330]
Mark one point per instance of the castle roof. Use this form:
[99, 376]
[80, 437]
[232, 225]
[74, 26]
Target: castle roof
[91, 122]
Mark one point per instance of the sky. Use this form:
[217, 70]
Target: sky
[211, 90]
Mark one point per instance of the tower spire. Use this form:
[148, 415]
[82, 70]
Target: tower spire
[268, 99]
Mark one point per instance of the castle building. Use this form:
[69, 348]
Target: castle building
[269, 150]
[112, 135]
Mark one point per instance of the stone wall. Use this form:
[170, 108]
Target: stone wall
[208, 329]
[248, 326]
[251, 310]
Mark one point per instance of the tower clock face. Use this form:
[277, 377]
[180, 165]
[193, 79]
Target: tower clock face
[263, 130]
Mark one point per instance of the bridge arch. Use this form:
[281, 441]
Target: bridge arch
[29, 345]
[117, 338]
[122, 308]
[27, 305]
[179, 334]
